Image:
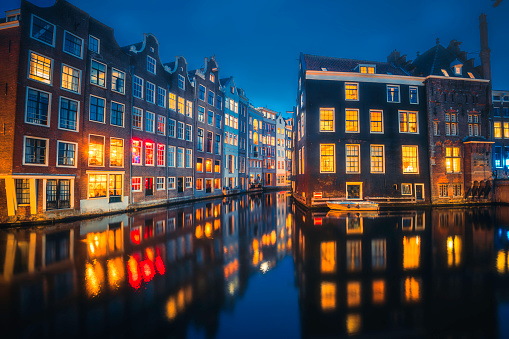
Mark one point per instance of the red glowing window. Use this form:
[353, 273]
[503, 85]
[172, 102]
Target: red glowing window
[317, 195]
[137, 152]
[149, 153]
[317, 221]
[160, 154]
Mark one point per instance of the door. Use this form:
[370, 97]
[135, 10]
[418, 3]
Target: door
[419, 191]
[149, 186]
[208, 185]
[180, 184]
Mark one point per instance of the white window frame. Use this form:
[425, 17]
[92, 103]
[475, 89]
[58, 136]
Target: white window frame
[183, 82]
[164, 99]
[174, 156]
[333, 159]
[98, 44]
[75, 154]
[157, 183]
[387, 93]
[409, 95]
[104, 150]
[358, 120]
[185, 182]
[77, 114]
[117, 70]
[383, 127]
[62, 78]
[123, 119]
[141, 184]
[141, 127]
[152, 61]
[174, 129]
[51, 68]
[105, 74]
[123, 150]
[408, 121]
[371, 155]
[49, 106]
[24, 151]
[157, 155]
[153, 123]
[333, 120]
[154, 92]
[89, 104]
[358, 91]
[409, 185]
[173, 185]
[32, 26]
[358, 157]
[82, 45]
[142, 83]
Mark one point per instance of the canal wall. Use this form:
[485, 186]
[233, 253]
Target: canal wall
[501, 191]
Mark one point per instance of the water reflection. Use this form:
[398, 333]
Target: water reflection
[189, 272]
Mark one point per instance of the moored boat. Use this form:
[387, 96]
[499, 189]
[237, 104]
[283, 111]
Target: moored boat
[353, 205]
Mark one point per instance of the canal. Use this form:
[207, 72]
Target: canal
[259, 266]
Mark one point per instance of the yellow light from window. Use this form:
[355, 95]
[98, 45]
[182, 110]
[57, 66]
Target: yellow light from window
[116, 272]
[412, 289]
[411, 252]
[328, 292]
[353, 323]
[378, 291]
[502, 263]
[171, 308]
[328, 257]
[453, 251]
[353, 294]
[94, 278]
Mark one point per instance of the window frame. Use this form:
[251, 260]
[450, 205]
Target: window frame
[173, 185]
[154, 63]
[104, 151]
[358, 120]
[50, 83]
[416, 95]
[145, 163]
[357, 89]
[123, 114]
[371, 121]
[132, 183]
[32, 31]
[135, 84]
[82, 45]
[105, 74]
[113, 69]
[358, 159]
[153, 92]
[153, 122]
[333, 159]
[75, 154]
[174, 156]
[26, 106]
[157, 184]
[123, 153]
[77, 114]
[98, 44]
[387, 93]
[62, 79]
[141, 118]
[408, 121]
[416, 157]
[24, 151]
[371, 156]
[333, 120]
[159, 90]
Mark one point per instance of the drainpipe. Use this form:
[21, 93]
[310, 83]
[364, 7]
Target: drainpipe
[167, 149]
[131, 71]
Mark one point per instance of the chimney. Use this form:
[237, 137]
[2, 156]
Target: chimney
[485, 51]
[393, 57]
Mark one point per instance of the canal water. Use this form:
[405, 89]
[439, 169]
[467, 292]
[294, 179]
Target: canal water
[259, 266]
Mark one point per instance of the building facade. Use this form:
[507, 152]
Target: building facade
[231, 134]
[269, 146]
[255, 145]
[500, 133]
[280, 151]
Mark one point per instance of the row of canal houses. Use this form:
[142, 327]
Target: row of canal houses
[89, 126]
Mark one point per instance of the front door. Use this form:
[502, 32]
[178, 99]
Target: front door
[180, 184]
[208, 185]
[149, 186]
[419, 191]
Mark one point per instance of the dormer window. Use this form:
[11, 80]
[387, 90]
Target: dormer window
[457, 69]
[367, 69]
[445, 72]
[212, 77]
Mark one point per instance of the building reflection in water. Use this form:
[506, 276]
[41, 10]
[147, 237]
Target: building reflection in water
[410, 273]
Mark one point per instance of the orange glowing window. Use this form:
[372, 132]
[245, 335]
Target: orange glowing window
[351, 91]
[378, 291]
[411, 252]
[149, 153]
[317, 221]
[353, 294]
[453, 251]
[328, 257]
[328, 299]
[412, 289]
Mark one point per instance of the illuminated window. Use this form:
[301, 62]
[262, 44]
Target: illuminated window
[137, 87]
[199, 164]
[377, 159]
[150, 90]
[497, 129]
[97, 184]
[181, 105]
[66, 155]
[161, 154]
[452, 159]
[201, 114]
[378, 287]
[212, 77]
[71, 78]
[406, 189]
[171, 156]
[40, 68]
[367, 69]
[412, 287]
[181, 82]
[353, 293]
[353, 255]
[327, 158]
[411, 252]
[116, 152]
[326, 119]
[443, 190]
[149, 121]
[506, 130]
[328, 295]
[117, 114]
[351, 91]
[408, 122]
[352, 158]
[151, 64]
[149, 153]
[410, 159]
[136, 184]
[208, 165]
[98, 73]
[161, 125]
[96, 150]
[171, 128]
[352, 120]
[377, 124]
[328, 257]
[172, 101]
[217, 184]
[43, 31]
[217, 166]
[117, 81]
[37, 107]
[393, 93]
[457, 69]
[136, 152]
[199, 184]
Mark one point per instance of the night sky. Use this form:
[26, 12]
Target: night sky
[259, 43]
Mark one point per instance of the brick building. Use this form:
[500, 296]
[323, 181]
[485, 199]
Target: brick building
[280, 151]
[500, 133]
[254, 147]
[231, 134]
[243, 123]
[269, 146]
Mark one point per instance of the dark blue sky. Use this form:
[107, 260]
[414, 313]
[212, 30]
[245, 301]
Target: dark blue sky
[259, 42]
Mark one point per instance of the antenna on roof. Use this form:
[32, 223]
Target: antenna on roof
[438, 41]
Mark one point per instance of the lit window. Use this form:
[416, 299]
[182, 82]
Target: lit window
[181, 105]
[117, 81]
[328, 298]
[452, 159]
[68, 114]
[497, 129]
[149, 153]
[327, 158]
[352, 158]
[410, 160]
[97, 184]
[444, 72]
[22, 191]
[411, 252]
[443, 190]
[172, 101]
[352, 121]
[212, 77]
[171, 183]
[377, 124]
[149, 121]
[393, 93]
[457, 69]
[181, 82]
[351, 91]
[136, 184]
[406, 189]
[71, 79]
[150, 92]
[414, 95]
[161, 125]
[367, 69]
[217, 167]
[98, 73]
[36, 151]
[137, 118]
[354, 263]
[326, 119]
[96, 150]
[40, 68]
[117, 114]
[43, 31]
[66, 154]
[136, 152]
[506, 130]
[72, 44]
[377, 159]
[408, 122]
[94, 44]
[208, 165]
[37, 107]
[328, 257]
[171, 156]
[161, 154]
[137, 87]
[116, 152]
[199, 164]
[151, 64]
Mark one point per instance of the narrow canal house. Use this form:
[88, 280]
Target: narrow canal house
[209, 129]
[280, 151]
[458, 96]
[231, 134]
[243, 123]
[361, 132]
[269, 146]
[54, 63]
[254, 147]
[500, 133]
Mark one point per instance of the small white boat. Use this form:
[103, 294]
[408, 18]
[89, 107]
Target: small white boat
[353, 205]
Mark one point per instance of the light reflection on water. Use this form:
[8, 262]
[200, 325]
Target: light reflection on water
[259, 265]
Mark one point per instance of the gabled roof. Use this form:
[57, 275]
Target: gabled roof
[439, 58]
[321, 63]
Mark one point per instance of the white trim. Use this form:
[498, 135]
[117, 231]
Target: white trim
[358, 94]
[164, 183]
[174, 156]
[423, 196]
[117, 70]
[49, 106]
[333, 158]
[411, 188]
[104, 151]
[77, 115]
[153, 124]
[409, 95]
[153, 153]
[358, 157]
[370, 130]
[105, 74]
[164, 155]
[174, 184]
[82, 45]
[141, 184]
[24, 149]
[154, 92]
[155, 65]
[358, 120]
[408, 121]
[51, 71]
[124, 114]
[123, 152]
[132, 114]
[320, 119]
[142, 82]
[75, 154]
[104, 113]
[387, 93]
[98, 44]
[141, 152]
[371, 155]
[32, 26]
[62, 79]
[354, 183]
